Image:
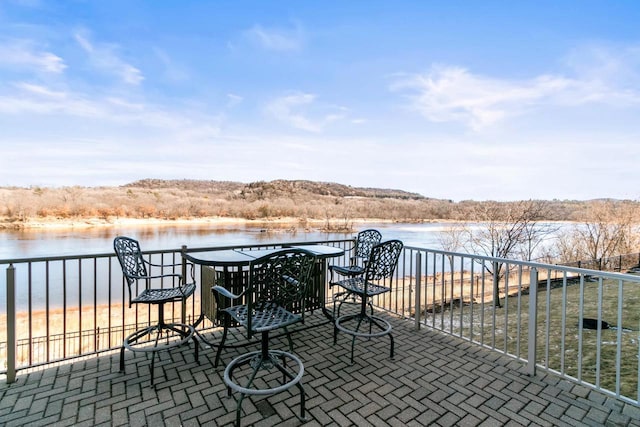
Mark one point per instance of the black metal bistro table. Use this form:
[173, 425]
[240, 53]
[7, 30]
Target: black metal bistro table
[229, 268]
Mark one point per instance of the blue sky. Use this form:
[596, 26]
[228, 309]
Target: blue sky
[459, 100]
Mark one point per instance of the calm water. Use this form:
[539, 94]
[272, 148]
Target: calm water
[99, 240]
[38, 243]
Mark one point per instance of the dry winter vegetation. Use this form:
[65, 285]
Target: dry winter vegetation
[509, 229]
[258, 200]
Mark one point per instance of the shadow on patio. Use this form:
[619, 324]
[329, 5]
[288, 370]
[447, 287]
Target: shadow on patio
[434, 379]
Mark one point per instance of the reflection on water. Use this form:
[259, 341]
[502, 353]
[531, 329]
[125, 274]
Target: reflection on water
[98, 240]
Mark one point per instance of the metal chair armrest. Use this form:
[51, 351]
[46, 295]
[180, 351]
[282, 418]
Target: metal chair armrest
[159, 276]
[160, 265]
[225, 292]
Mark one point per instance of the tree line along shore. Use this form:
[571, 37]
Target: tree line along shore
[331, 205]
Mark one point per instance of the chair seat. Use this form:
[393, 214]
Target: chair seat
[356, 286]
[348, 270]
[265, 318]
[159, 296]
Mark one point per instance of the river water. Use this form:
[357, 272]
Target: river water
[97, 240]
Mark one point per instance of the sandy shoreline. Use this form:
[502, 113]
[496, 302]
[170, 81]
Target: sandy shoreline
[76, 223]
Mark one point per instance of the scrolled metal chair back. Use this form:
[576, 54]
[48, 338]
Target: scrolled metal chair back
[282, 278]
[130, 258]
[383, 260]
[366, 240]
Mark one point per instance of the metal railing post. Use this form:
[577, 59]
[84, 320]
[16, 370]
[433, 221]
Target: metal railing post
[418, 309]
[184, 281]
[11, 324]
[533, 321]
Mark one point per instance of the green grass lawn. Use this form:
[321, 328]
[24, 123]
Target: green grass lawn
[563, 351]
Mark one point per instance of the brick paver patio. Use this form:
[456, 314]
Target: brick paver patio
[434, 380]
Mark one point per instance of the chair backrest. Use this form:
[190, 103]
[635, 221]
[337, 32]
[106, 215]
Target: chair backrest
[383, 260]
[366, 240]
[130, 258]
[281, 278]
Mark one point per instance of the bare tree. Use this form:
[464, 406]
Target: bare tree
[609, 230]
[535, 231]
[506, 230]
[452, 239]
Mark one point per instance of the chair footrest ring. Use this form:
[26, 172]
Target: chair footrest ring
[385, 327]
[257, 362]
[185, 332]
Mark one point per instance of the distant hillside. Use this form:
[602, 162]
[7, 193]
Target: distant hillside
[335, 206]
[277, 188]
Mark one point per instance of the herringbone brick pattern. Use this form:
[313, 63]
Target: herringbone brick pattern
[434, 380]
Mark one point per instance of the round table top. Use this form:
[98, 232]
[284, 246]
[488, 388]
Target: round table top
[237, 257]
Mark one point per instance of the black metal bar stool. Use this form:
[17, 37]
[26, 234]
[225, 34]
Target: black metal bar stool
[375, 280]
[134, 268]
[276, 287]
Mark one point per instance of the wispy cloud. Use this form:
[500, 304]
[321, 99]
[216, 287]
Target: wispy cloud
[603, 62]
[104, 57]
[277, 39]
[448, 93]
[233, 100]
[295, 110]
[31, 100]
[172, 70]
[25, 54]
[454, 94]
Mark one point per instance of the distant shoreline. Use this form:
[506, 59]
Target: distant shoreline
[85, 223]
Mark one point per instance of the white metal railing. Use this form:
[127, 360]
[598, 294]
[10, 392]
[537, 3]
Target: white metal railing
[59, 308]
[544, 319]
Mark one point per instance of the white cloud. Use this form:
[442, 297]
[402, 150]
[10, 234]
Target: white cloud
[454, 94]
[40, 90]
[283, 110]
[606, 63]
[295, 109]
[31, 100]
[104, 57]
[276, 39]
[172, 70]
[23, 53]
[233, 100]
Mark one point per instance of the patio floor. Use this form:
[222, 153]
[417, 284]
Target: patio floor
[434, 380]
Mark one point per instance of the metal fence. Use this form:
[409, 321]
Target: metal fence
[60, 308]
[617, 263]
[580, 324]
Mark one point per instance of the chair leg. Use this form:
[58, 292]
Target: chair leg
[224, 338]
[248, 385]
[287, 374]
[284, 365]
[353, 340]
[196, 343]
[153, 360]
[289, 339]
[122, 358]
[383, 328]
